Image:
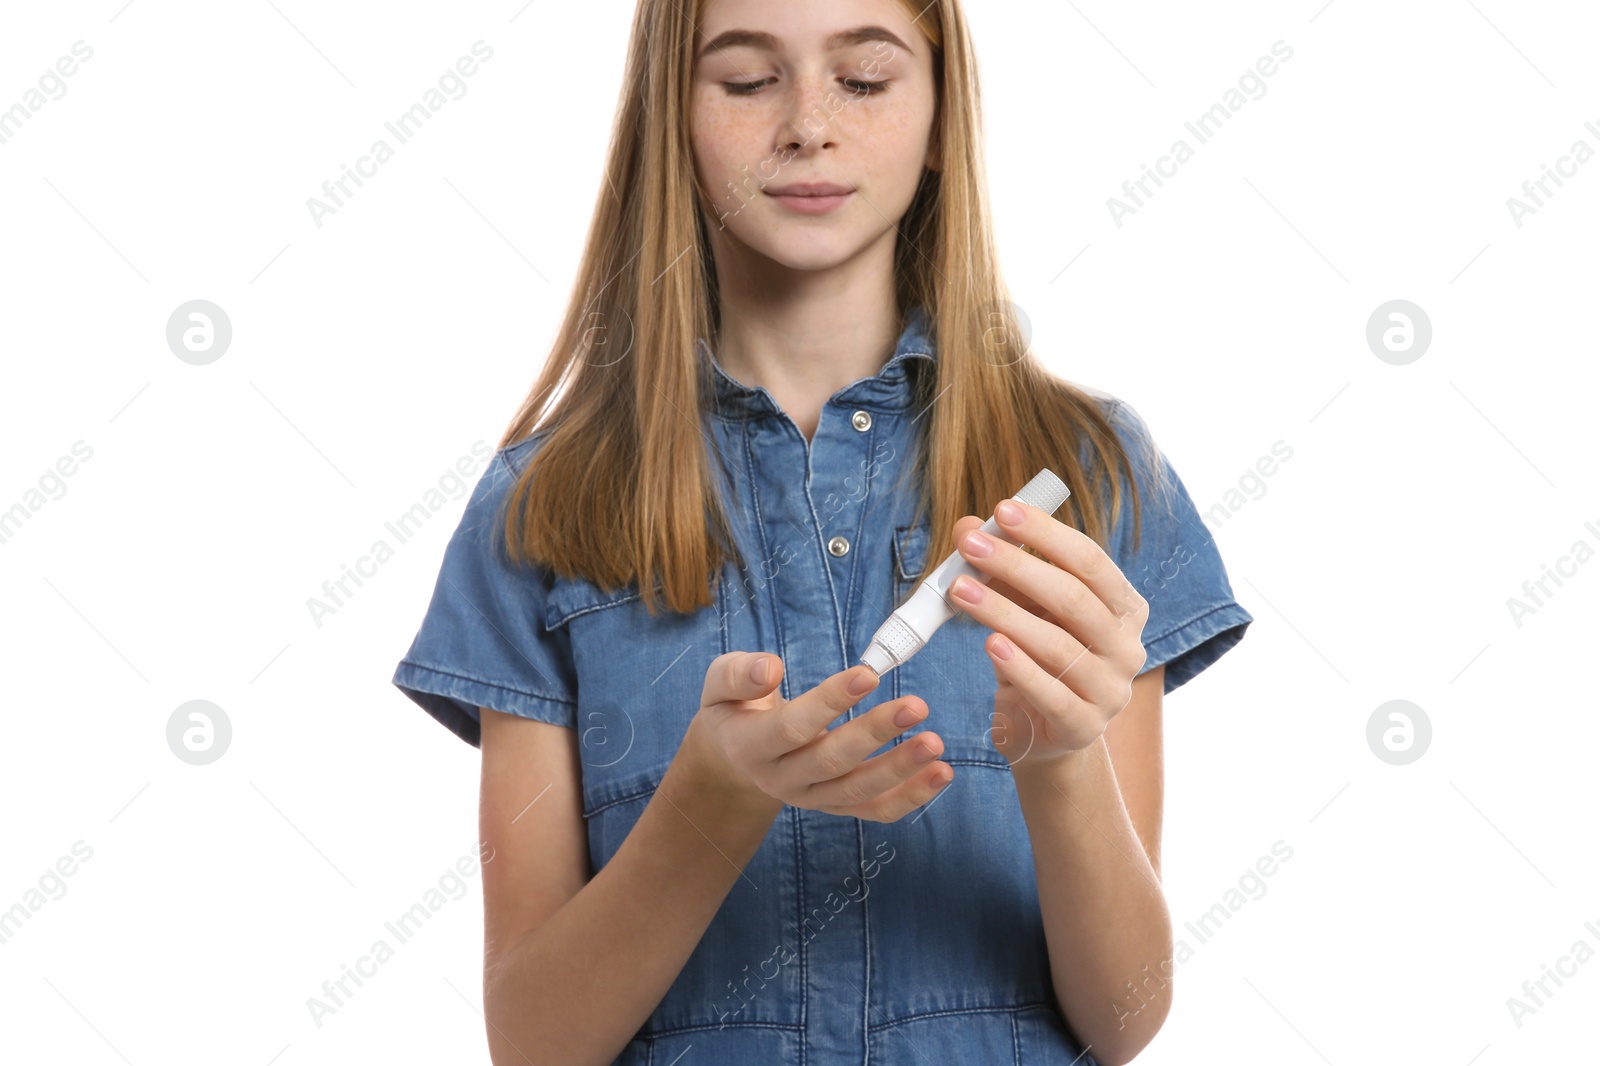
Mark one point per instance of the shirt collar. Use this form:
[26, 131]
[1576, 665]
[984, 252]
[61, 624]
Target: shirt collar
[890, 388]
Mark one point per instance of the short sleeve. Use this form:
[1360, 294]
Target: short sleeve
[482, 641]
[1194, 618]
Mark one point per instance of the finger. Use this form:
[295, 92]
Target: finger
[799, 721]
[1077, 553]
[1069, 717]
[899, 801]
[966, 525]
[1050, 645]
[876, 776]
[836, 752]
[1049, 664]
[739, 676]
[1059, 591]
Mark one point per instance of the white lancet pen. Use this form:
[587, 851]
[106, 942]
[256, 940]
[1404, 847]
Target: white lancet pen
[913, 624]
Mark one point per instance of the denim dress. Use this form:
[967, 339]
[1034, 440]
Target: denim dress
[843, 941]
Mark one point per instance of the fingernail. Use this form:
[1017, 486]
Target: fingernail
[968, 589]
[862, 683]
[907, 715]
[1008, 512]
[924, 753]
[758, 670]
[979, 545]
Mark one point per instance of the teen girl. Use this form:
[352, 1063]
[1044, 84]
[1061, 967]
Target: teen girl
[787, 386]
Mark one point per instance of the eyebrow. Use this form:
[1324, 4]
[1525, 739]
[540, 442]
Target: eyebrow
[842, 39]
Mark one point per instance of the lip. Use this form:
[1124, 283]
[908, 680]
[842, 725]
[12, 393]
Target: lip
[810, 188]
[811, 198]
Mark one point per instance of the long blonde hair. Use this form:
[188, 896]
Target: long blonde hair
[604, 495]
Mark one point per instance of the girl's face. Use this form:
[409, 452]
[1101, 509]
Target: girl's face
[831, 92]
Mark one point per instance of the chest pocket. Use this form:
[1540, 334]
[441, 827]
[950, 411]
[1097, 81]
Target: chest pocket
[952, 673]
[639, 685]
[910, 557]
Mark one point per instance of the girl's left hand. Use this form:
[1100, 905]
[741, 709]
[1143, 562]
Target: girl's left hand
[1068, 628]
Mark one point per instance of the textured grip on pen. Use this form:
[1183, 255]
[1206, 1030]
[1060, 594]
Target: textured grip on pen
[896, 639]
[1045, 491]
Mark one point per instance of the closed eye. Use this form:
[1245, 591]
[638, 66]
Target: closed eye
[857, 87]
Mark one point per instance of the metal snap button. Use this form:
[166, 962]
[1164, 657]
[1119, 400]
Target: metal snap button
[838, 546]
[862, 420]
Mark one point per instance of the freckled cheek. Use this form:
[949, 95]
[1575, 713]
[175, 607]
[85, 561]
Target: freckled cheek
[726, 141]
[899, 135]
[908, 119]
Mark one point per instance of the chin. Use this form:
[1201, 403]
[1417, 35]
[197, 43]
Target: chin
[804, 252]
[810, 263]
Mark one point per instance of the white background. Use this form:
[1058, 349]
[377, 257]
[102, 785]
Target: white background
[371, 353]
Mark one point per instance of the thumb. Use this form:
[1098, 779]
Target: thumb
[740, 677]
[762, 673]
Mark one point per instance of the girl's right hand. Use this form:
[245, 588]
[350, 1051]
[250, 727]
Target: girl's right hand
[760, 745]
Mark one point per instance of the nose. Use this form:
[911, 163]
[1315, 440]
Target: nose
[808, 120]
